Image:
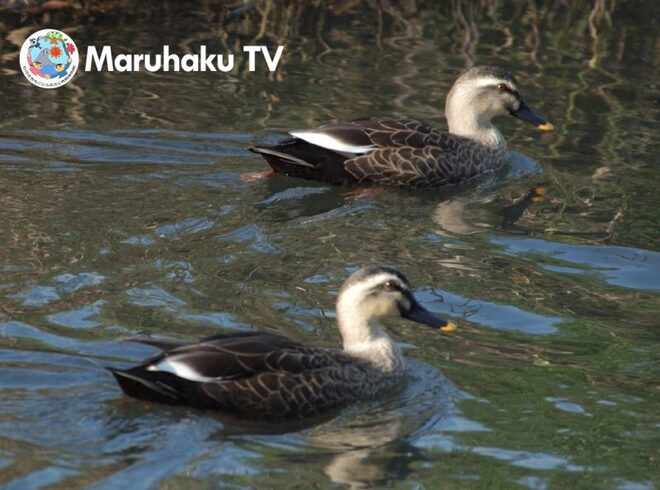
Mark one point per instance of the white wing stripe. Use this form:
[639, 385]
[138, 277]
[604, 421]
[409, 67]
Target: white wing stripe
[330, 142]
[181, 370]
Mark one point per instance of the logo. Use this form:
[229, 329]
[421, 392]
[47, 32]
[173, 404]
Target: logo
[49, 58]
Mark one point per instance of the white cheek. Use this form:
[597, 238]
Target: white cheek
[393, 309]
[386, 307]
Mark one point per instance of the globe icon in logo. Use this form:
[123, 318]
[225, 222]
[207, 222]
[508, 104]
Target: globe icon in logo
[49, 58]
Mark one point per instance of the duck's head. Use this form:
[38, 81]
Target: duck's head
[485, 92]
[375, 293]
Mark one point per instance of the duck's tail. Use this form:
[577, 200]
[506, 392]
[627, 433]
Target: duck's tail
[297, 158]
[149, 386]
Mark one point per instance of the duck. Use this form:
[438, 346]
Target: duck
[267, 376]
[398, 151]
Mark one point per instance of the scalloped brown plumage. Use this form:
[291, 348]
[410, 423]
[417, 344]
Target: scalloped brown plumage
[266, 376]
[405, 152]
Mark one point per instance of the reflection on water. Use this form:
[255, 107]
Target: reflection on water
[620, 266]
[389, 425]
[124, 210]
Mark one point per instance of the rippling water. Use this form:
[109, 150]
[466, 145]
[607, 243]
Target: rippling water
[123, 210]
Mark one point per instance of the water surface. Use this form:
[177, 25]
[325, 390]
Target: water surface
[124, 210]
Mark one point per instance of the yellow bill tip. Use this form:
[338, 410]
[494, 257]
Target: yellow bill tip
[540, 189]
[450, 327]
[546, 127]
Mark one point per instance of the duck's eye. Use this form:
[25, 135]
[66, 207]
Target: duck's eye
[392, 286]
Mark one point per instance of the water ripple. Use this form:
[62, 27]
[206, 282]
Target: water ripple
[620, 266]
[490, 314]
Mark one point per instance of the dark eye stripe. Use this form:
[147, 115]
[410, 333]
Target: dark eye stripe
[387, 286]
[505, 88]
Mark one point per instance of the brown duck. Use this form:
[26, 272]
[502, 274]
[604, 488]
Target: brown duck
[266, 376]
[406, 152]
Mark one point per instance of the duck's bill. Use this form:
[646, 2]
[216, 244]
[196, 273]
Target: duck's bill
[420, 314]
[526, 114]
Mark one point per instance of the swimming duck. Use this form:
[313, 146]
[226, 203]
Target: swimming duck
[406, 152]
[261, 375]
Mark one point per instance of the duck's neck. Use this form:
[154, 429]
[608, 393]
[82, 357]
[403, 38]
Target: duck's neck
[364, 338]
[463, 120]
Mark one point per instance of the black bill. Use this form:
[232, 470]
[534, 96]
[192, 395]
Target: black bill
[526, 114]
[417, 313]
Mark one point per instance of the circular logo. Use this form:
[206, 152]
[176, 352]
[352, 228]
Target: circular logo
[49, 58]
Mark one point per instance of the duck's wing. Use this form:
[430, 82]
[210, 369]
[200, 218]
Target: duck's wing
[321, 153]
[394, 132]
[228, 372]
[365, 135]
[412, 154]
[232, 356]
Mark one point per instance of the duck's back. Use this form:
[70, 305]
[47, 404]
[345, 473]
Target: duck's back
[384, 151]
[253, 375]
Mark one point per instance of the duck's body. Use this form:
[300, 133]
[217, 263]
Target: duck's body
[265, 376]
[261, 375]
[406, 152]
[401, 152]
